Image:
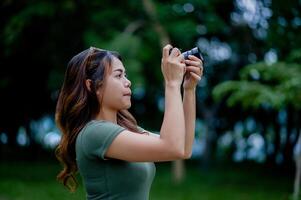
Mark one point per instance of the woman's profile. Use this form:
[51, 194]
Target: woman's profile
[101, 139]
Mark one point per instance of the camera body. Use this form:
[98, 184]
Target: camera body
[194, 51]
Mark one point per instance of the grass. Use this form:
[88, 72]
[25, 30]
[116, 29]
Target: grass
[36, 181]
[224, 183]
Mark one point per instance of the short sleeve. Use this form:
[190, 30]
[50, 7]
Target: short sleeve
[141, 130]
[98, 136]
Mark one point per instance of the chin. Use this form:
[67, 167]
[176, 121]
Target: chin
[128, 106]
[125, 106]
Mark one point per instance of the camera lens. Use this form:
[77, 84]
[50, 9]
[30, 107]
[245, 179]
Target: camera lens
[195, 52]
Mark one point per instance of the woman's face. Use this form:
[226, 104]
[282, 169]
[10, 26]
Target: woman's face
[116, 92]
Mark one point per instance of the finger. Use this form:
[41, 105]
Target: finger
[192, 57]
[175, 52]
[181, 58]
[166, 50]
[194, 63]
[195, 76]
[191, 67]
[194, 69]
[185, 70]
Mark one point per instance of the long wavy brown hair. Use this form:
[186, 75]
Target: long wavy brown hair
[77, 105]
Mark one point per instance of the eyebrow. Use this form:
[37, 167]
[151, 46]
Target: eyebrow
[120, 70]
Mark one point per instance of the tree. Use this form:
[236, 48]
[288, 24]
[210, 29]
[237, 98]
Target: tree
[268, 89]
[45, 35]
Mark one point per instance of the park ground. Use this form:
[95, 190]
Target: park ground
[20, 180]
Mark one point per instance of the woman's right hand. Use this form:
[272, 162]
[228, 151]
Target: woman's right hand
[172, 66]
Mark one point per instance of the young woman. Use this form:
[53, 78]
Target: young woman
[101, 138]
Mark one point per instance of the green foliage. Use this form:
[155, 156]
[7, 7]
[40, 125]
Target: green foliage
[214, 23]
[183, 32]
[276, 86]
[40, 37]
[16, 23]
[248, 94]
[270, 74]
[294, 56]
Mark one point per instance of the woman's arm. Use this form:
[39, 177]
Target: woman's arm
[170, 145]
[194, 71]
[189, 112]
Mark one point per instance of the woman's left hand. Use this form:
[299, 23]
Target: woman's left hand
[194, 72]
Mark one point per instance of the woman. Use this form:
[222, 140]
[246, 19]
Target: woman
[101, 138]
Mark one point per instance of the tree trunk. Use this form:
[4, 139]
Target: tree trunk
[298, 170]
[277, 139]
[178, 171]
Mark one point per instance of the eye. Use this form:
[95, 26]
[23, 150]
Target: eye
[119, 75]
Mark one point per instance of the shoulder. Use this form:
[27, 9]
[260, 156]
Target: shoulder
[99, 129]
[99, 124]
[97, 136]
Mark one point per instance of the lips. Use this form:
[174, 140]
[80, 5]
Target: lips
[128, 94]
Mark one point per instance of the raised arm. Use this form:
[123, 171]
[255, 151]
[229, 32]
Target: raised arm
[170, 145]
[194, 71]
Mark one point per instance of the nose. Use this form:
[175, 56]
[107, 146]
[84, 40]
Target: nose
[127, 82]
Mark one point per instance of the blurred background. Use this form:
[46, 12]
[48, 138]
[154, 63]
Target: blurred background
[247, 143]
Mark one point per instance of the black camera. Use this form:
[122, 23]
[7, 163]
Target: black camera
[194, 51]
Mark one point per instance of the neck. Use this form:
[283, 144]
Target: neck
[107, 115]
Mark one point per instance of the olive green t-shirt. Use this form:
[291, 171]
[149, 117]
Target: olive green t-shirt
[110, 179]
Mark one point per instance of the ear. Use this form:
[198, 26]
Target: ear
[88, 84]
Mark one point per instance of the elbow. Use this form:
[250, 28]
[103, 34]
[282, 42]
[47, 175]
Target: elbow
[177, 154]
[187, 155]
[182, 155]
